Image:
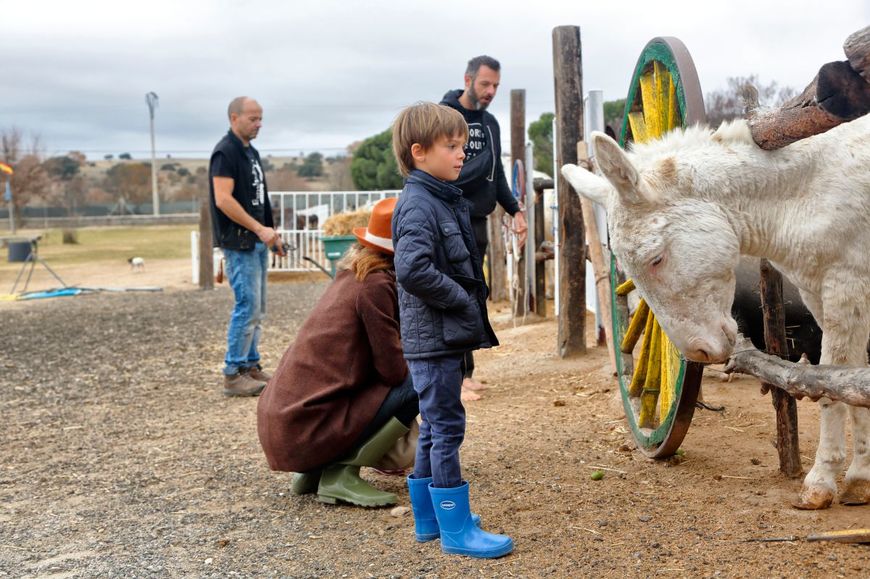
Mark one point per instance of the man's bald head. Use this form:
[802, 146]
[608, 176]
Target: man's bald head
[246, 116]
[237, 105]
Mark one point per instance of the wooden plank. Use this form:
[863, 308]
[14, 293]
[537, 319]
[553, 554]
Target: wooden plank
[568, 77]
[206, 251]
[518, 153]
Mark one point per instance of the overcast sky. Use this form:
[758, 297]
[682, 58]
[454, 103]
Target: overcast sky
[330, 72]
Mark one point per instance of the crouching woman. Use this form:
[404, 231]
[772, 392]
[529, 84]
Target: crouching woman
[342, 395]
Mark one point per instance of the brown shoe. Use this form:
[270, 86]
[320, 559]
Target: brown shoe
[257, 373]
[242, 385]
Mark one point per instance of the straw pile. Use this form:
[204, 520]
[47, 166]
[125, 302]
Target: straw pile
[343, 223]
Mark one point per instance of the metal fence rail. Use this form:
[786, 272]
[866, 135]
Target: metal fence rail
[299, 217]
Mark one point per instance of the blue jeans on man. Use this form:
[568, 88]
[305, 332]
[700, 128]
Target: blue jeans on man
[246, 271]
[438, 382]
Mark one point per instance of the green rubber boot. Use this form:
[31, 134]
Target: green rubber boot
[305, 483]
[341, 481]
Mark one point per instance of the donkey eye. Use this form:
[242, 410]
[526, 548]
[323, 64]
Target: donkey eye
[655, 261]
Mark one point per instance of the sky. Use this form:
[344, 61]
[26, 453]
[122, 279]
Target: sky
[331, 72]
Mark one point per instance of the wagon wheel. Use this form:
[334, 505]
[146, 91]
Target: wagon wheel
[659, 386]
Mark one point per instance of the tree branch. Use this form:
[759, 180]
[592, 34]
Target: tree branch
[840, 383]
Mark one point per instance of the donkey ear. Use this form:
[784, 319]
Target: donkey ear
[588, 185]
[616, 166]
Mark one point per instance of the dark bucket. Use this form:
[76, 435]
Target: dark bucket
[19, 251]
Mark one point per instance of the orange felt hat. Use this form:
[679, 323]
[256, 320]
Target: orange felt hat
[378, 235]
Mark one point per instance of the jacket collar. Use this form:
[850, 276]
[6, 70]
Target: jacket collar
[234, 139]
[441, 189]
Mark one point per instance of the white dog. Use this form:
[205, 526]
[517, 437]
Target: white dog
[136, 263]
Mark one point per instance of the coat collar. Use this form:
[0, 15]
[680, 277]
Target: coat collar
[441, 189]
[234, 139]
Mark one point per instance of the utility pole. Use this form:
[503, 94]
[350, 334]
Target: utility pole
[152, 100]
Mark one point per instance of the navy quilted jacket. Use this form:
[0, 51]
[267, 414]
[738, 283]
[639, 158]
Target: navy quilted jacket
[442, 294]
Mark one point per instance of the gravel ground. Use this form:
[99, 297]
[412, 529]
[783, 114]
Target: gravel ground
[121, 458]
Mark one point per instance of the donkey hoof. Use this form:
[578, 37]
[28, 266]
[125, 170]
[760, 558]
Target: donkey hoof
[813, 499]
[857, 493]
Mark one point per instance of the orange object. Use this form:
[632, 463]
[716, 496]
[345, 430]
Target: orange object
[6, 169]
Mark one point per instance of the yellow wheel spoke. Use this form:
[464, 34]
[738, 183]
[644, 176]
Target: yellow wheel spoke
[651, 385]
[639, 377]
[638, 126]
[635, 327]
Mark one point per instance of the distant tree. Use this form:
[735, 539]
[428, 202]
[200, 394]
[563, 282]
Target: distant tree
[169, 167]
[30, 181]
[183, 172]
[374, 166]
[125, 156]
[727, 104]
[130, 182]
[108, 157]
[339, 173]
[312, 166]
[613, 113]
[67, 183]
[541, 136]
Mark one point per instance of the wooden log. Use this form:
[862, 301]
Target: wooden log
[540, 264]
[857, 49]
[787, 441]
[839, 93]
[568, 77]
[840, 383]
[206, 250]
[518, 153]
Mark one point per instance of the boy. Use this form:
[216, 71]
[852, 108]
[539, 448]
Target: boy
[442, 314]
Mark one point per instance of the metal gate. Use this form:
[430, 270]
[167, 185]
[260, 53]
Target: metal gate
[299, 217]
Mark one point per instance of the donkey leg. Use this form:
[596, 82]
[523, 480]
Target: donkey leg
[858, 476]
[820, 485]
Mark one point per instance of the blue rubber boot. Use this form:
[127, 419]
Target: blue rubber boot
[459, 534]
[425, 524]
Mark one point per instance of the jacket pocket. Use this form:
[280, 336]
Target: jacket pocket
[463, 327]
[454, 246]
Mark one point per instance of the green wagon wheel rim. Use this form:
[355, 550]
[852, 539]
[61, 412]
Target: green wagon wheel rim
[659, 387]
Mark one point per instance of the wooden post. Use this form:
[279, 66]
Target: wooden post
[540, 265]
[206, 252]
[496, 256]
[518, 153]
[568, 75]
[787, 443]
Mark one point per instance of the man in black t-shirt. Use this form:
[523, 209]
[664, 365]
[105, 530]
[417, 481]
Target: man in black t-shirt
[482, 179]
[243, 229]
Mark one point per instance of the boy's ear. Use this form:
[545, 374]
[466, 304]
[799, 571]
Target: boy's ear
[418, 152]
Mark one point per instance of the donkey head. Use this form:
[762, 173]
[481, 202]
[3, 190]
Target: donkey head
[680, 251]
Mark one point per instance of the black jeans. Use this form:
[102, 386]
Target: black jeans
[481, 237]
[401, 403]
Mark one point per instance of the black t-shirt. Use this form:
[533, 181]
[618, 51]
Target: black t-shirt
[241, 164]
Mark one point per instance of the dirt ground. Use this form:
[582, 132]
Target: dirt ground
[122, 458]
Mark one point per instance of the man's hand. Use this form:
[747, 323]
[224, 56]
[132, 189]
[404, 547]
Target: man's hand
[271, 238]
[520, 228]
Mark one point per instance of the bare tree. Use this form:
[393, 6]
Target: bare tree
[30, 181]
[727, 104]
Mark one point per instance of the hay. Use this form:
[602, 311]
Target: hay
[343, 223]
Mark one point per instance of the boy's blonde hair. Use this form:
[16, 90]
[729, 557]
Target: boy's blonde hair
[424, 123]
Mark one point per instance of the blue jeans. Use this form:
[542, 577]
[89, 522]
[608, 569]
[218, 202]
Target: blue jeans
[438, 382]
[246, 271]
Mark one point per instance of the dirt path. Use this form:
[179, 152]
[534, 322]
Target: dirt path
[121, 458]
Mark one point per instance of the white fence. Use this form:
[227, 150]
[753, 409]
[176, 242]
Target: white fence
[299, 216]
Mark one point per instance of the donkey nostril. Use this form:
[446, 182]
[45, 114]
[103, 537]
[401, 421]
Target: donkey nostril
[704, 354]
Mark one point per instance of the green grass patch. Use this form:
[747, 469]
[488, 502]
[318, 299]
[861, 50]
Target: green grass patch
[116, 244]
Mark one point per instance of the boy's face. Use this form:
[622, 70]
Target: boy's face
[443, 159]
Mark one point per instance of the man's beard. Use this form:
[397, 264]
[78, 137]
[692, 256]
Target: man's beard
[475, 101]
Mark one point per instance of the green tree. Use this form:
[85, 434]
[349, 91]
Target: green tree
[374, 166]
[125, 156]
[312, 166]
[613, 112]
[541, 136]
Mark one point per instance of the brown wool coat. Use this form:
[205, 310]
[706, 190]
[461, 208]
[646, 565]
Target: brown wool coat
[332, 380]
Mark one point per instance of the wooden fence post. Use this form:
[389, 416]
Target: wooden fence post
[518, 153]
[206, 252]
[568, 75]
[787, 442]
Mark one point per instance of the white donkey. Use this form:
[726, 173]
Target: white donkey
[681, 210]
